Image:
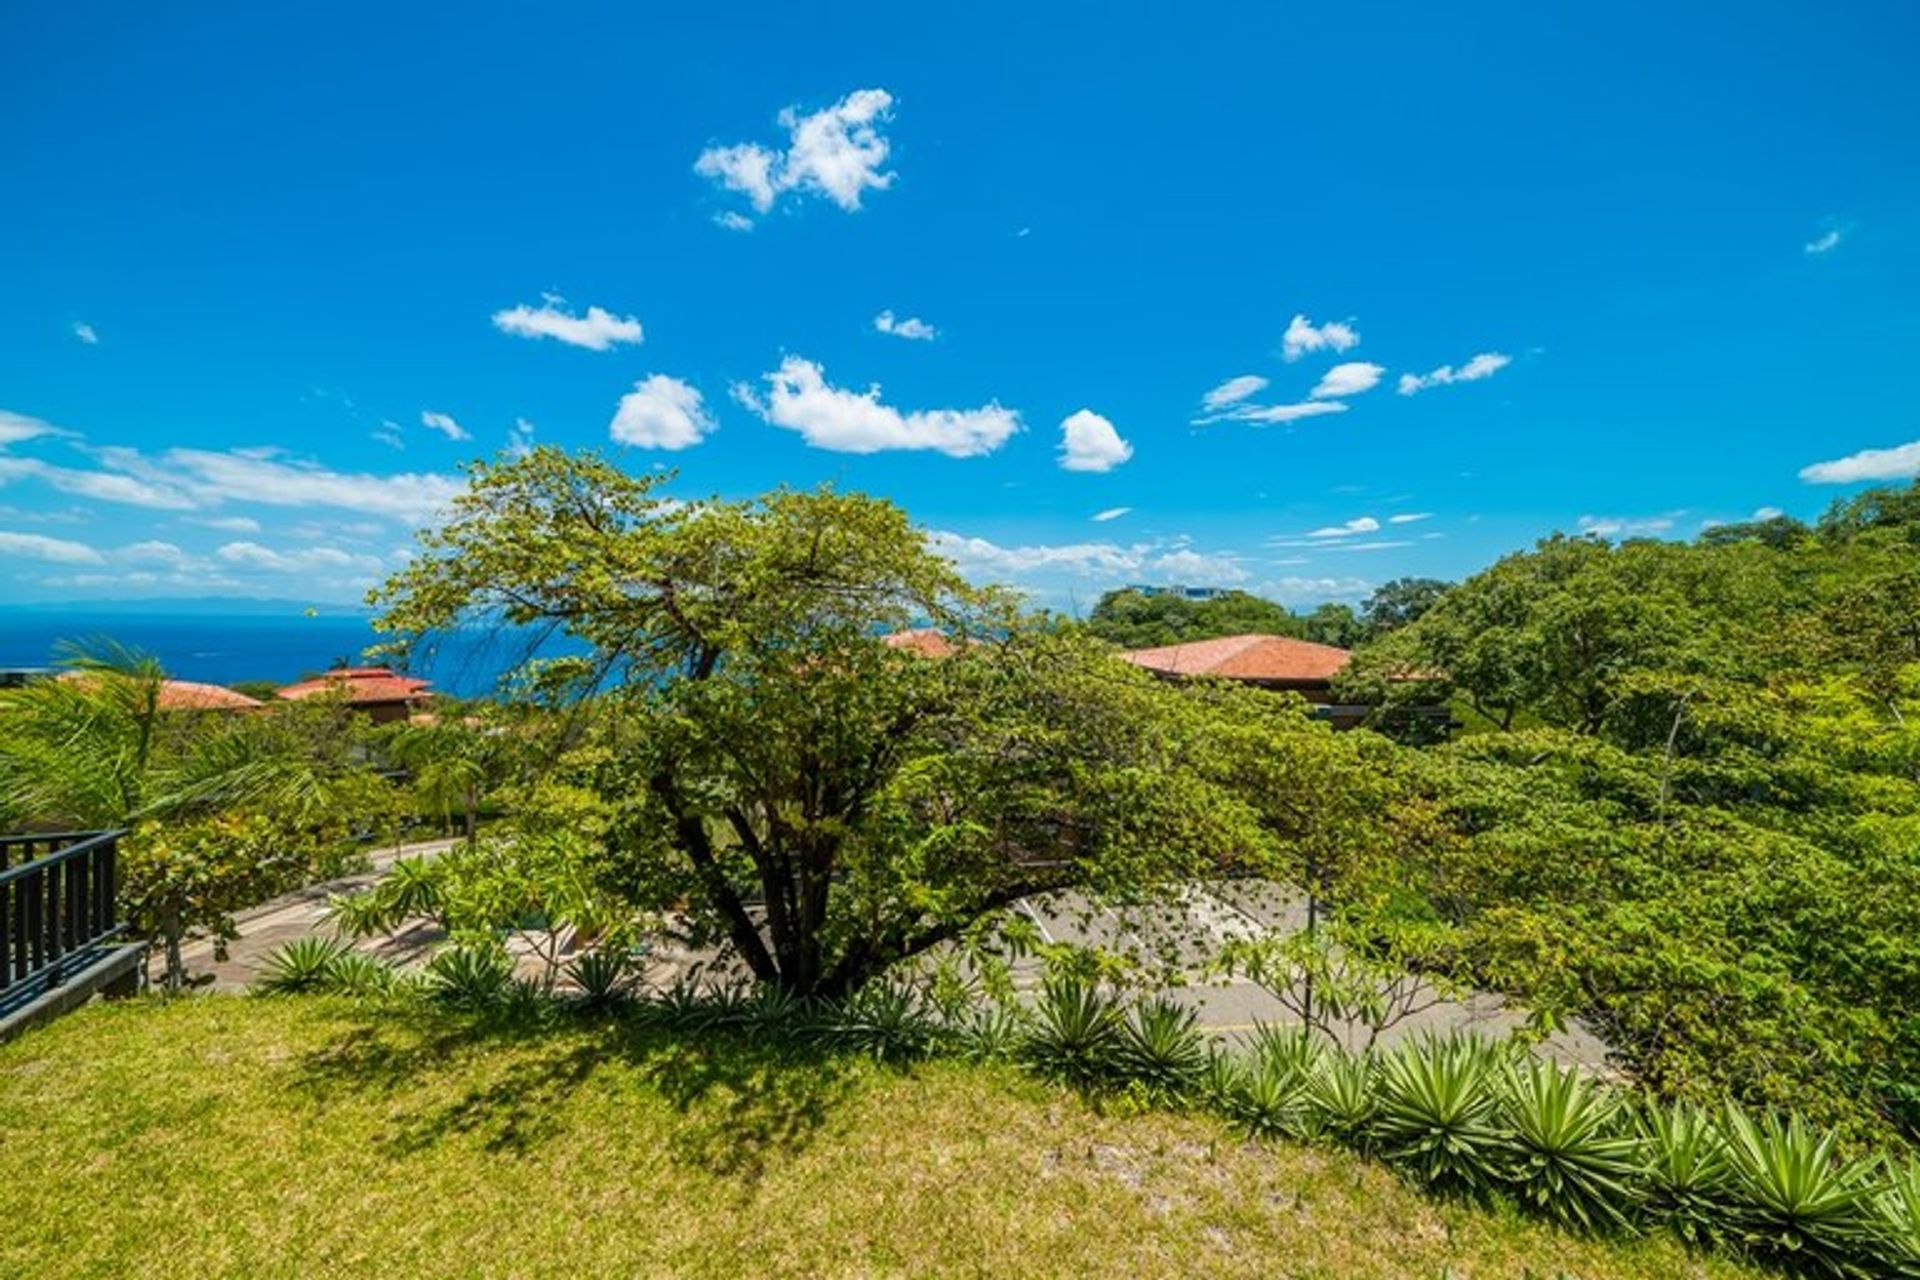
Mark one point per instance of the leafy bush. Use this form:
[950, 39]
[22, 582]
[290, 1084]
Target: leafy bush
[603, 976]
[470, 977]
[1343, 1098]
[1684, 1171]
[1439, 1113]
[303, 965]
[1162, 1049]
[884, 1020]
[1572, 1156]
[1078, 1033]
[1793, 1200]
[1898, 1212]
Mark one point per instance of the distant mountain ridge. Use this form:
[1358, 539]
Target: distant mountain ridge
[198, 607]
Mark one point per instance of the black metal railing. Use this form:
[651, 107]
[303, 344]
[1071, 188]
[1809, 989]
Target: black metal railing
[57, 906]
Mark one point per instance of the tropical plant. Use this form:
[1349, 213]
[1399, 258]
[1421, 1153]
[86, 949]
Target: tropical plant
[470, 976]
[602, 976]
[1439, 1115]
[1078, 1032]
[1572, 1154]
[303, 965]
[1898, 1206]
[1342, 1097]
[1162, 1049]
[1793, 1199]
[1684, 1172]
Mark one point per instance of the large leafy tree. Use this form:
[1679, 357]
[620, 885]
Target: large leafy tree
[829, 802]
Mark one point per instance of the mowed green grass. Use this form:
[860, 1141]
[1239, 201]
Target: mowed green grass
[292, 1137]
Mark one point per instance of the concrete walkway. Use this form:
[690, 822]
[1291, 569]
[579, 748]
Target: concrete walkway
[269, 926]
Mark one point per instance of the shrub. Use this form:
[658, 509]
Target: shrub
[1898, 1212]
[1571, 1156]
[1794, 1203]
[355, 973]
[303, 965]
[1077, 1032]
[470, 977]
[884, 1020]
[1684, 1171]
[990, 1033]
[1438, 1113]
[1342, 1099]
[603, 976]
[1162, 1050]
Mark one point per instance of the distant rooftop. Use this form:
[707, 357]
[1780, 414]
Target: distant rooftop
[926, 641]
[1259, 659]
[361, 685]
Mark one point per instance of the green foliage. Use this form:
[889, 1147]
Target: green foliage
[1078, 1034]
[301, 966]
[1439, 1114]
[1577, 1160]
[1794, 1200]
[1135, 620]
[474, 977]
[1162, 1049]
[603, 976]
[1685, 1172]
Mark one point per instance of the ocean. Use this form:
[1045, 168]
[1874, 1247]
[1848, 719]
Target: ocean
[224, 649]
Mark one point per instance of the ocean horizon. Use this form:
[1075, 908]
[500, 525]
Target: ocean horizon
[230, 647]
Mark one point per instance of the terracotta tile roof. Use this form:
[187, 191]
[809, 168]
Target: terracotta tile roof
[361, 685]
[187, 695]
[1255, 657]
[922, 640]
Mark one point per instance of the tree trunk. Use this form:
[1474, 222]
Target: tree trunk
[176, 967]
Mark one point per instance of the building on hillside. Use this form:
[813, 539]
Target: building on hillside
[189, 695]
[928, 642]
[1270, 662]
[380, 693]
[1180, 590]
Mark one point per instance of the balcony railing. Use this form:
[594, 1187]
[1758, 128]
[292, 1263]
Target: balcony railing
[57, 909]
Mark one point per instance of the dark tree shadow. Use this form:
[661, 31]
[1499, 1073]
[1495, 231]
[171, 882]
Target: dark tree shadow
[743, 1100]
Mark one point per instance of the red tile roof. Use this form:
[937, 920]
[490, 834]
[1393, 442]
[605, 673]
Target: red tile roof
[187, 695]
[361, 685]
[925, 641]
[1276, 659]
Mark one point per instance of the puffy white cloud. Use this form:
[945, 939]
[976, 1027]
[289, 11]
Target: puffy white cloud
[154, 552]
[979, 556]
[264, 478]
[102, 486]
[1232, 391]
[1826, 242]
[520, 439]
[1902, 462]
[1111, 513]
[662, 413]
[1303, 337]
[597, 330]
[1347, 380]
[1262, 414]
[733, 221]
[251, 555]
[18, 427]
[1360, 524]
[34, 546]
[838, 153]
[84, 331]
[1198, 567]
[1088, 442]
[799, 398]
[227, 524]
[911, 328]
[1484, 365]
[445, 425]
[1296, 591]
[1625, 526]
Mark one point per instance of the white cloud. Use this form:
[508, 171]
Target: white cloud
[661, 413]
[1382, 544]
[828, 417]
[838, 153]
[1232, 391]
[262, 477]
[388, 433]
[36, 546]
[979, 556]
[229, 524]
[251, 555]
[1198, 568]
[1088, 442]
[1902, 462]
[101, 486]
[1347, 380]
[18, 427]
[84, 331]
[1825, 243]
[1484, 365]
[1302, 337]
[598, 330]
[1762, 514]
[733, 221]
[155, 552]
[1410, 517]
[445, 425]
[520, 439]
[1625, 526]
[1360, 524]
[1111, 513]
[912, 328]
[1297, 591]
[1264, 414]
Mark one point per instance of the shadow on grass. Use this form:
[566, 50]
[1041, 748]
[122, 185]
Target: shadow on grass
[742, 1100]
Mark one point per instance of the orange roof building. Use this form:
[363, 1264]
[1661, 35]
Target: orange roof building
[1277, 661]
[189, 695]
[925, 641]
[381, 692]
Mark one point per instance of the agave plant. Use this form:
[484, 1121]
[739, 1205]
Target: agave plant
[1342, 1098]
[1269, 1099]
[1793, 1200]
[1163, 1050]
[1571, 1154]
[602, 975]
[883, 1019]
[1077, 1032]
[1898, 1206]
[355, 973]
[989, 1033]
[470, 977]
[1439, 1113]
[1684, 1171]
[305, 964]
[1289, 1050]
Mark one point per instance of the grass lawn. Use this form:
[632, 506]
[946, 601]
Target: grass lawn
[301, 1137]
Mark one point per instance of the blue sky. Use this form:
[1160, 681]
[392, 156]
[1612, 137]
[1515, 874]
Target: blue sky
[268, 275]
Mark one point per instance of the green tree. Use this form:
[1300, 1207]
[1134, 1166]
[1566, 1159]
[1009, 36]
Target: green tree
[1394, 604]
[831, 804]
[1135, 620]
